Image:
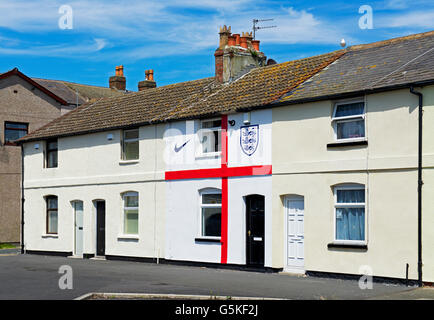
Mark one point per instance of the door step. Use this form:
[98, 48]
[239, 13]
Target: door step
[98, 258]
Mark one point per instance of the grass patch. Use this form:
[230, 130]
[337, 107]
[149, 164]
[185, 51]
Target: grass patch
[7, 246]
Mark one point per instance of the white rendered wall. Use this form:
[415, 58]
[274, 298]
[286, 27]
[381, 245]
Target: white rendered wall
[90, 169]
[183, 196]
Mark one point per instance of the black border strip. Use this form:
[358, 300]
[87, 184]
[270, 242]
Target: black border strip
[349, 276]
[196, 264]
[49, 253]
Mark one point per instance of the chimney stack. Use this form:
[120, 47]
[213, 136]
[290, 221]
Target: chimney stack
[118, 81]
[236, 55]
[149, 82]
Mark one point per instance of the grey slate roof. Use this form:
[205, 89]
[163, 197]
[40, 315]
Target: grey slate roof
[383, 64]
[74, 92]
[186, 100]
[356, 70]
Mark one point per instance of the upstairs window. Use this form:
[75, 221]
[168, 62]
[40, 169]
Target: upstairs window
[210, 136]
[52, 213]
[211, 211]
[350, 213]
[131, 213]
[130, 145]
[349, 120]
[15, 131]
[51, 154]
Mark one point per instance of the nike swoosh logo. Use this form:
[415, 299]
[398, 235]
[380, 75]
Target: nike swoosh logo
[182, 146]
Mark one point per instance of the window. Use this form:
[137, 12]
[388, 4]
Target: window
[131, 213]
[211, 209]
[130, 146]
[15, 131]
[350, 213]
[210, 136]
[51, 202]
[52, 154]
[349, 120]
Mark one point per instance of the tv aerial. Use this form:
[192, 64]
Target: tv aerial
[255, 27]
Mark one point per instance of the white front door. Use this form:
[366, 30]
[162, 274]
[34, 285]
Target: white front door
[294, 208]
[78, 229]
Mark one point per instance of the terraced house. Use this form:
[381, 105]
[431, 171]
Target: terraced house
[26, 104]
[314, 165]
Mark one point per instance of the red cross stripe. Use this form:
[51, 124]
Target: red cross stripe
[224, 172]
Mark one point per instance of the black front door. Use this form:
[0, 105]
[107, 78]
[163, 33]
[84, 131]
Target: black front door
[255, 230]
[100, 228]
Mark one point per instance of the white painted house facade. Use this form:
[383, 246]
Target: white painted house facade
[214, 178]
[297, 166]
[91, 175]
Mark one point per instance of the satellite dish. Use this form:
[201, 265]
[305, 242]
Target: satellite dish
[343, 43]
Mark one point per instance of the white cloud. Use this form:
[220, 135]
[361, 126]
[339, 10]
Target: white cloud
[396, 4]
[419, 19]
[77, 50]
[149, 28]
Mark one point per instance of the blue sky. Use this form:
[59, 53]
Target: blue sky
[178, 38]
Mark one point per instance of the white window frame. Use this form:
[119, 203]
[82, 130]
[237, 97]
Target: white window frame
[129, 235]
[336, 120]
[336, 205]
[201, 205]
[123, 159]
[200, 152]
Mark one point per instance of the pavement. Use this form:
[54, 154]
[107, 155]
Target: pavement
[24, 277]
[9, 251]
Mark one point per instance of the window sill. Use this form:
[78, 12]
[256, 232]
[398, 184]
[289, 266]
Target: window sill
[352, 143]
[208, 239]
[208, 155]
[121, 162]
[360, 246]
[48, 236]
[128, 237]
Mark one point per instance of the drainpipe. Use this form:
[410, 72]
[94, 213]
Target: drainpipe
[22, 199]
[419, 189]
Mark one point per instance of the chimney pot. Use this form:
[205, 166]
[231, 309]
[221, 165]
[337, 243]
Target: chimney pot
[249, 38]
[224, 33]
[231, 41]
[255, 44]
[243, 42]
[237, 39]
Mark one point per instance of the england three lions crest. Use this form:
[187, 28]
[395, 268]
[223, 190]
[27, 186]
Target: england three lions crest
[249, 139]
